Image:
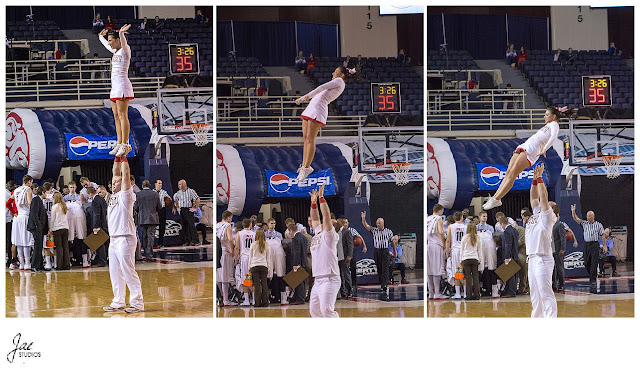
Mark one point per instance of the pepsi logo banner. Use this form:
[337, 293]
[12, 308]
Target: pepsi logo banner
[284, 184]
[86, 147]
[490, 176]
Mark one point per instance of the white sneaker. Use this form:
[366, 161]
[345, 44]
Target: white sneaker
[303, 173]
[115, 149]
[13, 265]
[440, 296]
[492, 203]
[457, 296]
[124, 150]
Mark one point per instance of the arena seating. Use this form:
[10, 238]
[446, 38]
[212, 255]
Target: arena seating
[560, 84]
[456, 60]
[356, 99]
[240, 66]
[150, 47]
[36, 30]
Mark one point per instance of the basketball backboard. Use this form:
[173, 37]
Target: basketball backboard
[589, 140]
[379, 147]
[180, 107]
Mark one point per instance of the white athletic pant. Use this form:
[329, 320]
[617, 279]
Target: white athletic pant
[543, 300]
[122, 270]
[24, 256]
[322, 302]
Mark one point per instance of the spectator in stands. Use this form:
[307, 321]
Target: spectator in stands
[512, 56]
[157, 24]
[402, 57]
[348, 63]
[558, 57]
[201, 18]
[607, 252]
[571, 56]
[613, 51]
[522, 56]
[301, 63]
[508, 101]
[312, 63]
[396, 263]
[360, 64]
[109, 24]
[98, 24]
[145, 24]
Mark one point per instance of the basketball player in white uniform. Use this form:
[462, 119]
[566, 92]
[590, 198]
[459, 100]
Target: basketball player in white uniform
[315, 115]
[225, 275]
[527, 154]
[455, 233]
[324, 259]
[539, 241]
[122, 248]
[435, 252]
[20, 236]
[121, 88]
[244, 239]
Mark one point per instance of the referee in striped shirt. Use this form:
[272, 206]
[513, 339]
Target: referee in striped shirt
[592, 231]
[187, 201]
[382, 237]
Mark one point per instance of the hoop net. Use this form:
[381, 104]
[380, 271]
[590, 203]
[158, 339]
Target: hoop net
[402, 172]
[200, 131]
[612, 164]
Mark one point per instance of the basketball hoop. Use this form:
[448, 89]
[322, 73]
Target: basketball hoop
[401, 170]
[200, 131]
[612, 164]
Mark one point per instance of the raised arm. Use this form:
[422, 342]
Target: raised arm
[104, 41]
[363, 214]
[324, 208]
[533, 193]
[575, 217]
[313, 213]
[126, 174]
[542, 189]
[123, 38]
[334, 83]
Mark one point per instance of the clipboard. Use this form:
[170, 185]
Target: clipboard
[506, 271]
[294, 278]
[94, 241]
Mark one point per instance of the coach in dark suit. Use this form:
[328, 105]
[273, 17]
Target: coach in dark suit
[38, 225]
[298, 256]
[509, 253]
[147, 206]
[99, 220]
[346, 287]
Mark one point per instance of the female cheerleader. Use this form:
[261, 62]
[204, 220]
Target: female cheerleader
[324, 259]
[121, 88]
[527, 154]
[315, 115]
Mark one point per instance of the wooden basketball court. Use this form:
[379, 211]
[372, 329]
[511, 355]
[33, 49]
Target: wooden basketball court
[169, 288]
[612, 297]
[403, 301]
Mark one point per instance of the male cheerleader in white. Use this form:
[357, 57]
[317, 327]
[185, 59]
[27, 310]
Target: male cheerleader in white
[316, 113]
[122, 248]
[539, 241]
[324, 259]
[121, 88]
[527, 154]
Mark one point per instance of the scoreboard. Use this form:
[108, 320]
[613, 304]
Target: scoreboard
[184, 59]
[596, 90]
[385, 98]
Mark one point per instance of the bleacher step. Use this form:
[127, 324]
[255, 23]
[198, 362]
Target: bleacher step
[516, 79]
